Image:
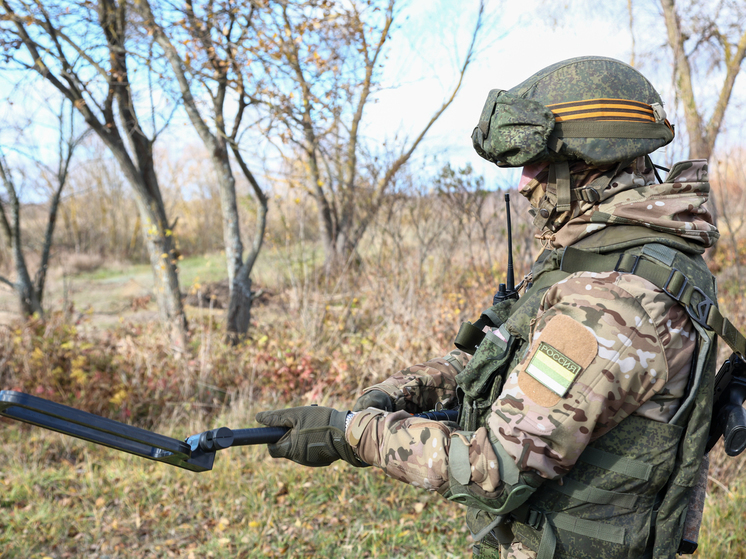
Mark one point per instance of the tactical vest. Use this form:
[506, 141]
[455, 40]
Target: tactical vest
[627, 495]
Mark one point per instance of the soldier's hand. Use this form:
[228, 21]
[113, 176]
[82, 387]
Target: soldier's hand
[316, 436]
[374, 399]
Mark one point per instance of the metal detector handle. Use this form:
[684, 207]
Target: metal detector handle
[218, 439]
[269, 435]
[259, 435]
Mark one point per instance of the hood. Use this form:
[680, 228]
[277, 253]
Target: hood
[631, 196]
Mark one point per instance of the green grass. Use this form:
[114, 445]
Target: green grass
[108, 273]
[210, 267]
[66, 498]
[722, 534]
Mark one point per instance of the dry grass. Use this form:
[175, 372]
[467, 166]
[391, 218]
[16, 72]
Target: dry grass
[318, 339]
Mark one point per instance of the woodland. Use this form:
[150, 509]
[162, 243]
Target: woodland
[200, 220]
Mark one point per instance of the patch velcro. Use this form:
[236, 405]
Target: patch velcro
[553, 368]
[562, 351]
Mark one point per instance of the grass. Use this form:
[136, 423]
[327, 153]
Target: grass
[65, 498]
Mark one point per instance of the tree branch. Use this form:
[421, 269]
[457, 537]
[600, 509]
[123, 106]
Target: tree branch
[683, 73]
[733, 67]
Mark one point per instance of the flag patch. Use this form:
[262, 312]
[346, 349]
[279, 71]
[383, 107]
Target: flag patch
[553, 369]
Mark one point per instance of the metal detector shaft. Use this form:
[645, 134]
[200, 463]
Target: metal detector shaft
[196, 453]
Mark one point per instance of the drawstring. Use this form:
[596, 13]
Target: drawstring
[546, 238]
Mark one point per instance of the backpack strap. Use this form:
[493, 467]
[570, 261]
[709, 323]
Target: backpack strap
[655, 265]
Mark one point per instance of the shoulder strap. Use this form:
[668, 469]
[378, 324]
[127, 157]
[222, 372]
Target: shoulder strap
[652, 266]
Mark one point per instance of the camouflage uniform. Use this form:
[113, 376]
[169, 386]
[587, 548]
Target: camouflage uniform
[627, 345]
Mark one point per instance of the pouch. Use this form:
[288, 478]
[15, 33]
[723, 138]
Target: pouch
[512, 131]
[482, 379]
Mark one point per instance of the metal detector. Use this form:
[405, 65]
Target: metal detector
[196, 453]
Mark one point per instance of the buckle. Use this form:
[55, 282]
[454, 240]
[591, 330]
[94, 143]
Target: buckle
[701, 311]
[698, 312]
[634, 266]
[589, 194]
[677, 296]
[535, 519]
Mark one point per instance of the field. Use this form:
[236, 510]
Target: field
[312, 340]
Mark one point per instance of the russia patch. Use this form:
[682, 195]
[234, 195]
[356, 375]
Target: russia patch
[553, 369]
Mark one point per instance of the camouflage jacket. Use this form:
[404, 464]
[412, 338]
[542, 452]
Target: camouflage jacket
[630, 346]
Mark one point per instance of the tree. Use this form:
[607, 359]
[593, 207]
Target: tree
[91, 67]
[31, 292]
[323, 60]
[467, 200]
[208, 62]
[707, 43]
[712, 35]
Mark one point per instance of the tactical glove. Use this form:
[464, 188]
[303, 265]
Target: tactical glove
[316, 436]
[374, 399]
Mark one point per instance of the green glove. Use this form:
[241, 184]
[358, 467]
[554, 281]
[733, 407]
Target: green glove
[374, 399]
[316, 436]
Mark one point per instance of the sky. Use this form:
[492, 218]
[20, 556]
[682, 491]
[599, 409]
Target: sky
[523, 38]
[518, 43]
[429, 41]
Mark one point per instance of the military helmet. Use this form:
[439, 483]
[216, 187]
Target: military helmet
[589, 108]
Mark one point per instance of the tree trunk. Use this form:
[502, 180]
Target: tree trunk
[163, 262]
[113, 127]
[216, 143]
[28, 299]
[239, 309]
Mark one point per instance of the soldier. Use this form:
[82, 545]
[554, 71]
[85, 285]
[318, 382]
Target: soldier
[585, 407]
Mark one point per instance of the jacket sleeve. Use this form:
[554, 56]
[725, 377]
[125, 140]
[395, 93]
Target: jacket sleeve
[599, 350]
[421, 387]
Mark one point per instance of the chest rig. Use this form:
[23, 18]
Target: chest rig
[627, 495]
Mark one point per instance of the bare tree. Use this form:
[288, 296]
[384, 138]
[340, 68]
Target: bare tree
[709, 35]
[208, 62]
[83, 54]
[324, 62]
[468, 203]
[31, 292]
[729, 175]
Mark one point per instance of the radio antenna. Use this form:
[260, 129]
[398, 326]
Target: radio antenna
[510, 278]
[507, 291]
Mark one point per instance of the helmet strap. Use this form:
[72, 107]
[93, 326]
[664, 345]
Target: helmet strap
[559, 174]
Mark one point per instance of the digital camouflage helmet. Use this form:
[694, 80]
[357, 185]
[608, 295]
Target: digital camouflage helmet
[590, 108]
